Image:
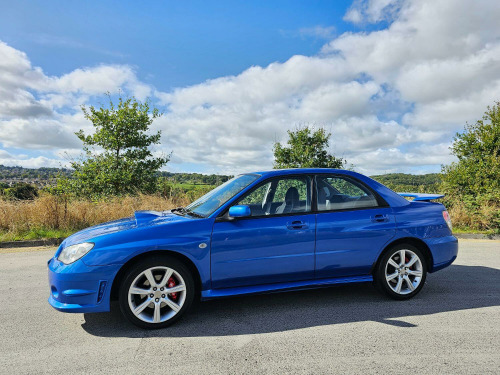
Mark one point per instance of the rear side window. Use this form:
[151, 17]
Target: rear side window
[340, 193]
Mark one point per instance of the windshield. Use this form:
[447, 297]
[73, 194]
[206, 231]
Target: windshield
[206, 205]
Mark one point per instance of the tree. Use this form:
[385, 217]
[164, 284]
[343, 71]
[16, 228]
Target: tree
[117, 158]
[474, 180]
[477, 172]
[307, 148]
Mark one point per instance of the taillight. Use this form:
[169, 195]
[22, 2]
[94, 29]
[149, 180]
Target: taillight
[447, 218]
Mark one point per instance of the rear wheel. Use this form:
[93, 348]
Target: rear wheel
[401, 272]
[156, 292]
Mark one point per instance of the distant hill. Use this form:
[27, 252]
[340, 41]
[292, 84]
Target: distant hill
[20, 172]
[402, 182]
[409, 179]
[38, 176]
[196, 178]
[46, 176]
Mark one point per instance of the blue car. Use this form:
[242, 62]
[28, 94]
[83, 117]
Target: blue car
[260, 232]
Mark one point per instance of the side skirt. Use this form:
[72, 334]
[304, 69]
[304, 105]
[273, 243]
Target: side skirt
[282, 287]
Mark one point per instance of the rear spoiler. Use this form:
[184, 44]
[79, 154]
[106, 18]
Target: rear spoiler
[421, 197]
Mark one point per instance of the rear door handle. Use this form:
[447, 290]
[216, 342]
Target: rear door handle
[380, 218]
[296, 224]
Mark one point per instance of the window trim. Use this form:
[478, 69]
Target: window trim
[223, 216]
[381, 202]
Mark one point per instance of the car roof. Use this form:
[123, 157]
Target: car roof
[282, 172]
[392, 198]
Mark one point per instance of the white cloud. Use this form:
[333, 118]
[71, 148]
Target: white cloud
[393, 98]
[432, 80]
[380, 93]
[372, 11]
[332, 101]
[37, 134]
[43, 112]
[101, 79]
[22, 160]
[387, 160]
[16, 74]
[36, 162]
[322, 32]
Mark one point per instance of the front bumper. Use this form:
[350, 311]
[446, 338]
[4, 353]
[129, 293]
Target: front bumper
[78, 288]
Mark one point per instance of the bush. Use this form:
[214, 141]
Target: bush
[473, 182]
[21, 191]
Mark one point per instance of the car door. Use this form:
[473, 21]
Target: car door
[353, 224]
[275, 244]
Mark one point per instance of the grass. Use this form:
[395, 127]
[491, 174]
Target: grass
[35, 234]
[460, 230]
[52, 217]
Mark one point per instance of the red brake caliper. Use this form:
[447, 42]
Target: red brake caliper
[171, 284]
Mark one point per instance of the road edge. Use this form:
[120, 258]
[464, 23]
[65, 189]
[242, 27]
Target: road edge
[31, 243]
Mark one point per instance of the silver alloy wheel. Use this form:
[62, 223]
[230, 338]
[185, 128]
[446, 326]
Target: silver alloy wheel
[403, 271]
[150, 298]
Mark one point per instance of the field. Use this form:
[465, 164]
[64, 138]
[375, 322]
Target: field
[50, 216]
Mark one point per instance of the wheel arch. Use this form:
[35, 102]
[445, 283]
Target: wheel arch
[138, 258]
[417, 242]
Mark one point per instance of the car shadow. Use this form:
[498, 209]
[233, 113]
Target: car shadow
[456, 288]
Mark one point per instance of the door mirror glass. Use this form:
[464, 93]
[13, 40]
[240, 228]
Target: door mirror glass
[239, 211]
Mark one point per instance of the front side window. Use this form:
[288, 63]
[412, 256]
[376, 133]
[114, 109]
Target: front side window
[256, 200]
[340, 193]
[207, 204]
[279, 196]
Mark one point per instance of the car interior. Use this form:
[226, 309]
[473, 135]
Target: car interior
[292, 195]
[335, 193]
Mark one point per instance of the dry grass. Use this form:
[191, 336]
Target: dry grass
[49, 213]
[49, 216]
[485, 218]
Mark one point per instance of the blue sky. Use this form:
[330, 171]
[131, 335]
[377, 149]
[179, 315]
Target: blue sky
[171, 43]
[392, 80]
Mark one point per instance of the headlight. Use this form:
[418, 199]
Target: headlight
[72, 253]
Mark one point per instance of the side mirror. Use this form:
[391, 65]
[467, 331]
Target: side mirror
[239, 211]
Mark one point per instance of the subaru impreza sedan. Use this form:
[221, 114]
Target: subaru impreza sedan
[260, 232]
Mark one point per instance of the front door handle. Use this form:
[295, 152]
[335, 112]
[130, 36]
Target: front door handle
[380, 218]
[297, 224]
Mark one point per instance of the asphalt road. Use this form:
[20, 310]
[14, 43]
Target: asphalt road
[452, 326]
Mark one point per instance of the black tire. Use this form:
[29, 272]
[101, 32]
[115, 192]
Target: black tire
[384, 286]
[136, 270]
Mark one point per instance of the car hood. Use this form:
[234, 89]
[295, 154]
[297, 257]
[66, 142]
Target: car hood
[140, 219]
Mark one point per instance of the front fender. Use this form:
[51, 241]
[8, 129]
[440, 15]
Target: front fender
[184, 238]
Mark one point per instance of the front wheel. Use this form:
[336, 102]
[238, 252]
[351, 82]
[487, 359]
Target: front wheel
[401, 272]
[156, 292]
